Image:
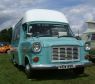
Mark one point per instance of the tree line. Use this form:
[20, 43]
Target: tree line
[6, 35]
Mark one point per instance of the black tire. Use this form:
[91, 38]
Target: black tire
[28, 70]
[78, 70]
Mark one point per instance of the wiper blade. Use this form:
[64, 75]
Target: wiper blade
[65, 36]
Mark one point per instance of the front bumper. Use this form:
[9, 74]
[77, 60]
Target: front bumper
[61, 66]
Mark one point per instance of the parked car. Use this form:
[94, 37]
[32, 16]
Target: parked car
[4, 48]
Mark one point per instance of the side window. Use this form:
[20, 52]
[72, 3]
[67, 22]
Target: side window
[16, 32]
[24, 27]
[93, 37]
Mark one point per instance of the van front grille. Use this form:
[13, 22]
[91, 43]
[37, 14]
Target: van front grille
[65, 53]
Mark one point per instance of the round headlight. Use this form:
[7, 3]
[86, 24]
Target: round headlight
[87, 46]
[36, 47]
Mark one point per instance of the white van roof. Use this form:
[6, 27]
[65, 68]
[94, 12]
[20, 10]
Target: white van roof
[91, 27]
[44, 15]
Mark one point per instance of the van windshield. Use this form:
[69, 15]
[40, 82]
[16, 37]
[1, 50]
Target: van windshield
[50, 30]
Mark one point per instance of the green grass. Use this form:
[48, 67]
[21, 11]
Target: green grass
[9, 74]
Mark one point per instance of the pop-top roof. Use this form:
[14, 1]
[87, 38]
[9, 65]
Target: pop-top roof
[44, 15]
[91, 27]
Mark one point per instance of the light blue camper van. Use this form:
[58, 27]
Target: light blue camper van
[43, 40]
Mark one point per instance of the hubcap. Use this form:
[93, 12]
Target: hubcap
[27, 68]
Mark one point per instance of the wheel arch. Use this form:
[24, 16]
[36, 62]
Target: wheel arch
[26, 60]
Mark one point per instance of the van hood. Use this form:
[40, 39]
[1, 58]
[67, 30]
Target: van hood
[52, 41]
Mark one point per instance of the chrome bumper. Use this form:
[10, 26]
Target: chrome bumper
[66, 66]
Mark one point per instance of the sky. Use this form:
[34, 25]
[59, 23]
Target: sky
[76, 11]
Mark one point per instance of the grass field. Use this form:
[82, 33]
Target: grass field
[9, 74]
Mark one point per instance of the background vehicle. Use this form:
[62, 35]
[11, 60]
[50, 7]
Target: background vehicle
[43, 40]
[89, 37]
[4, 47]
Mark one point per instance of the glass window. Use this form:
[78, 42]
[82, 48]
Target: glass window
[93, 37]
[16, 32]
[42, 29]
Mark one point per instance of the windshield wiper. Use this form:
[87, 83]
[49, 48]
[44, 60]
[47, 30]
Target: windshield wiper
[65, 36]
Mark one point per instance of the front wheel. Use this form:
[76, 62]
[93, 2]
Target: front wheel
[78, 70]
[28, 70]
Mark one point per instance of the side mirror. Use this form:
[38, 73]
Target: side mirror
[28, 34]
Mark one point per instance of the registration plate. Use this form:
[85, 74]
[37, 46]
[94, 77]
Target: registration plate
[66, 66]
